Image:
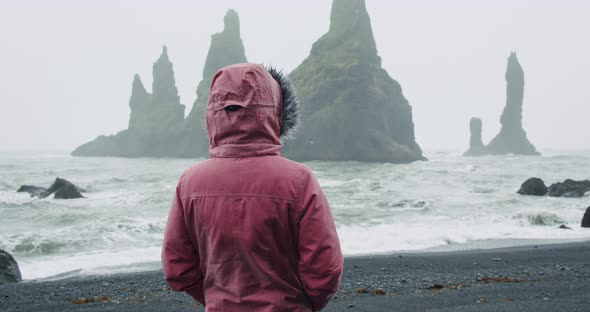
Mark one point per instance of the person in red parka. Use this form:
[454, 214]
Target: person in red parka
[250, 230]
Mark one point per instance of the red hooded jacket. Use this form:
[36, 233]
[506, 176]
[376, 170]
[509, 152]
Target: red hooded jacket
[248, 229]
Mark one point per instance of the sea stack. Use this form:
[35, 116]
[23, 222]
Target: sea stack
[139, 103]
[157, 127]
[154, 121]
[476, 146]
[226, 48]
[351, 108]
[512, 138]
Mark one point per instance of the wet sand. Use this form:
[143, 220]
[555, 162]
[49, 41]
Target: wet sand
[529, 278]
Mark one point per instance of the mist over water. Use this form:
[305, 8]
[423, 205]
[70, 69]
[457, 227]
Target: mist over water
[378, 208]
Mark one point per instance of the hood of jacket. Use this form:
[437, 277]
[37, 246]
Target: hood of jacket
[250, 109]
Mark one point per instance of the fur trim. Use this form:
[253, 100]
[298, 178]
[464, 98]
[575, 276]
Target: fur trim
[290, 114]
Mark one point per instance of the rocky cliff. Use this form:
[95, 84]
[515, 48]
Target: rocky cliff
[476, 146]
[512, 138]
[351, 108]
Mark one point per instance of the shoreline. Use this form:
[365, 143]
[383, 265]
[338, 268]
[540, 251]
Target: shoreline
[475, 245]
[536, 278]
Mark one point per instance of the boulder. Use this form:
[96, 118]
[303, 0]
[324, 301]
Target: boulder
[9, 271]
[351, 108]
[586, 218]
[512, 138]
[63, 189]
[33, 190]
[569, 188]
[533, 186]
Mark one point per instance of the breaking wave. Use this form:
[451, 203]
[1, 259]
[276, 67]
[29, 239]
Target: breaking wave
[378, 208]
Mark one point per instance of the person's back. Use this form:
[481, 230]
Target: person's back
[250, 230]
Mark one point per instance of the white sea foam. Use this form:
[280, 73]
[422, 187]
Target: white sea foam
[378, 208]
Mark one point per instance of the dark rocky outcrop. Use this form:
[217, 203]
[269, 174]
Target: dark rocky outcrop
[33, 190]
[586, 218]
[512, 138]
[9, 271]
[533, 186]
[226, 48]
[351, 108]
[157, 127]
[61, 189]
[569, 188]
[476, 146]
[155, 122]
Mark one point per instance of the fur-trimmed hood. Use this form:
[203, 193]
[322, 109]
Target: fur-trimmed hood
[250, 109]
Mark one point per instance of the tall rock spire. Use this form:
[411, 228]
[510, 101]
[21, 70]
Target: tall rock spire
[138, 103]
[349, 22]
[226, 48]
[512, 137]
[352, 109]
[164, 84]
[476, 147]
[155, 123]
[512, 116]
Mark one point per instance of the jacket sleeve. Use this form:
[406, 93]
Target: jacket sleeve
[180, 259]
[320, 257]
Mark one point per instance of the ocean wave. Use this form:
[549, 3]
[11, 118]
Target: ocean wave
[6, 186]
[483, 190]
[541, 218]
[405, 204]
[449, 200]
[117, 180]
[98, 235]
[34, 244]
[22, 201]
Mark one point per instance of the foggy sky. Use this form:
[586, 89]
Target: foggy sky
[66, 67]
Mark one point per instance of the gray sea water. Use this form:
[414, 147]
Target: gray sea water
[449, 201]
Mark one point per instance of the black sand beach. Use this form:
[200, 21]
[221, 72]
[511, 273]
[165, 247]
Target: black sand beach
[531, 278]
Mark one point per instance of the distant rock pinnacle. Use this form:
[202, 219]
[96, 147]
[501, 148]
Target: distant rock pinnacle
[226, 48]
[512, 138]
[164, 85]
[476, 146]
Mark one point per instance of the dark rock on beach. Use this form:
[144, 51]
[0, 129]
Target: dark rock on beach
[569, 188]
[533, 186]
[351, 107]
[9, 271]
[512, 138]
[33, 190]
[586, 218]
[476, 146]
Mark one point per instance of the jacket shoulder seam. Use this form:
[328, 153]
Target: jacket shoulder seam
[239, 195]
